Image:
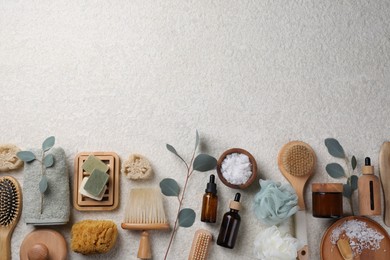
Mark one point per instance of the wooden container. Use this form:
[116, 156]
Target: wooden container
[327, 199]
[252, 161]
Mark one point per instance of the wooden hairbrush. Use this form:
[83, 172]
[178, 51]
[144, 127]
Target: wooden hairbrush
[10, 210]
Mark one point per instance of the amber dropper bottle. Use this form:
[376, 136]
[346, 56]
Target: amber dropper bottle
[210, 202]
[230, 224]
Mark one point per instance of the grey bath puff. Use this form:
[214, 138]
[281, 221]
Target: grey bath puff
[56, 200]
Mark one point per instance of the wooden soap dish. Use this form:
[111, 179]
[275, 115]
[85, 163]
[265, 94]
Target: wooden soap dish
[110, 199]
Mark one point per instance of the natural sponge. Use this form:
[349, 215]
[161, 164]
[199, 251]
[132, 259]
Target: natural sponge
[93, 236]
[137, 167]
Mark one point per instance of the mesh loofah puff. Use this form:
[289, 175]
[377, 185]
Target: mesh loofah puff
[137, 167]
[275, 202]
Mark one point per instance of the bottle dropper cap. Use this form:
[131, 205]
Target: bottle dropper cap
[367, 168]
[211, 186]
[235, 204]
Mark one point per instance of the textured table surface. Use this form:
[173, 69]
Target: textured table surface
[131, 76]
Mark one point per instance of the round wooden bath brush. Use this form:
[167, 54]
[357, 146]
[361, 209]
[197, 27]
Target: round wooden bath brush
[297, 161]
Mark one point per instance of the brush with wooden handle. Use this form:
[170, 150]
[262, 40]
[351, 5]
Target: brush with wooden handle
[145, 211]
[296, 161]
[10, 211]
[384, 172]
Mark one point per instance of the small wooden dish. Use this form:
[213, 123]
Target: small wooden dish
[251, 159]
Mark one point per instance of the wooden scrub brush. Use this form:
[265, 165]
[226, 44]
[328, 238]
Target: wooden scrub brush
[10, 210]
[145, 211]
[200, 245]
[296, 161]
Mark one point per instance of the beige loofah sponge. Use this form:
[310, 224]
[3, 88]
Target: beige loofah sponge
[93, 236]
[137, 167]
[8, 159]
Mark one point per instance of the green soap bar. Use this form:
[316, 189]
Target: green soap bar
[96, 182]
[93, 163]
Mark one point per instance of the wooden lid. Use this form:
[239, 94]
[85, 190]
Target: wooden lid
[43, 244]
[327, 187]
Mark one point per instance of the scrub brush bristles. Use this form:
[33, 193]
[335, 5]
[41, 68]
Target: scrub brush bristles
[200, 245]
[298, 159]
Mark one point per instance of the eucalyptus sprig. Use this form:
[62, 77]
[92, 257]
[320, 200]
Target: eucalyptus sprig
[336, 171]
[46, 162]
[185, 217]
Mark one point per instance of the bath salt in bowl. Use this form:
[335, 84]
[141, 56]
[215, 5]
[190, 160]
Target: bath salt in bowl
[237, 168]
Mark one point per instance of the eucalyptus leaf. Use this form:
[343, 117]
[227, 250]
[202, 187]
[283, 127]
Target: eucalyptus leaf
[334, 148]
[169, 187]
[354, 182]
[48, 161]
[26, 156]
[48, 143]
[186, 217]
[347, 191]
[173, 150]
[43, 184]
[335, 170]
[204, 163]
[196, 139]
[353, 162]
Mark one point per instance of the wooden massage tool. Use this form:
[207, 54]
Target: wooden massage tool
[296, 161]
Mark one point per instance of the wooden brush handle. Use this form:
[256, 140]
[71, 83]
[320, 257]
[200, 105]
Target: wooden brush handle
[144, 251]
[303, 253]
[384, 170]
[5, 245]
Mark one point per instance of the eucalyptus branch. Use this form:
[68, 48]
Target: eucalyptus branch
[336, 171]
[45, 161]
[169, 187]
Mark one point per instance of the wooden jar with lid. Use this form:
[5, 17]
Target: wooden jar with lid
[327, 200]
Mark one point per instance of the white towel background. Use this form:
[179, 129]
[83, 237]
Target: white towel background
[131, 76]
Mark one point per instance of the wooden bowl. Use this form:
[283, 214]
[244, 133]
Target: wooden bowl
[251, 159]
[330, 252]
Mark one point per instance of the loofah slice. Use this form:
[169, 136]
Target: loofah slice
[8, 159]
[137, 167]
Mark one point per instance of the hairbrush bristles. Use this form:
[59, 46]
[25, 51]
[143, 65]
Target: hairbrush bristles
[298, 160]
[9, 201]
[145, 206]
[200, 245]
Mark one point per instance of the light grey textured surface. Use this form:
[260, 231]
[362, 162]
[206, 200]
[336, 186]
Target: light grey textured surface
[130, 76]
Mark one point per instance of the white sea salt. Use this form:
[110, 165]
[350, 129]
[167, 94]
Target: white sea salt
[360, 236]
[236, 168]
